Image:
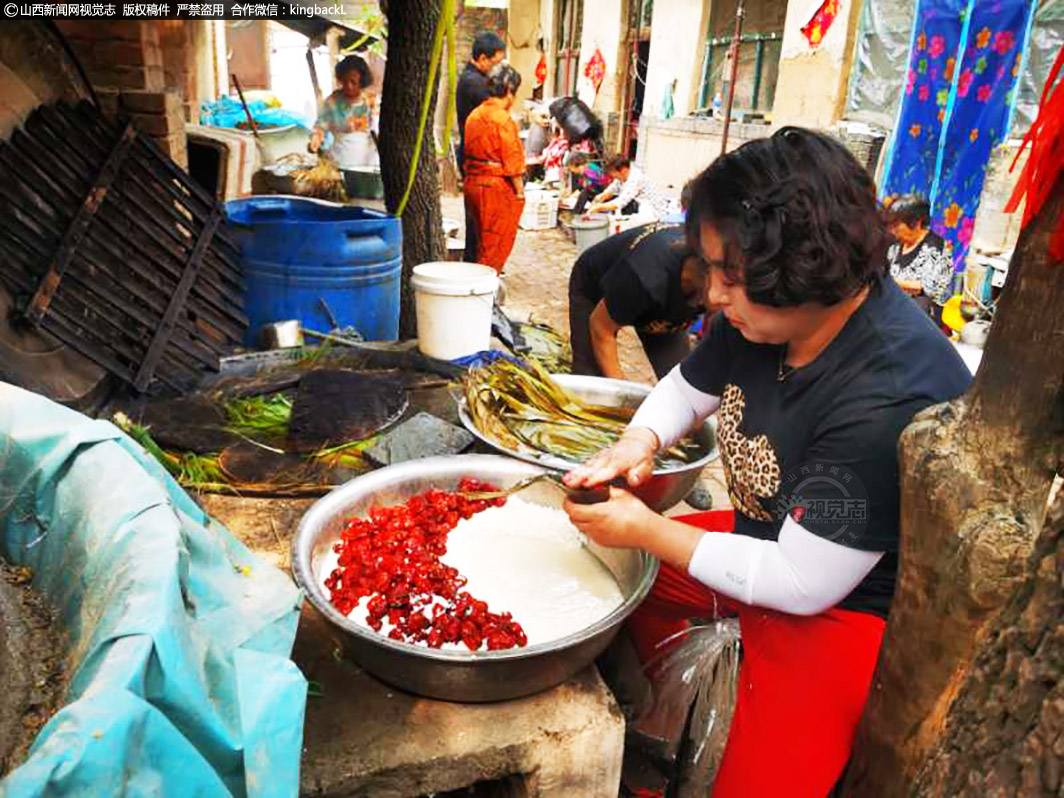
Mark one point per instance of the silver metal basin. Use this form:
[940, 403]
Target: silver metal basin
[666, 486]
[458, 675]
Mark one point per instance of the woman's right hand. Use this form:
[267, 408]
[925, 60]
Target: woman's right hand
[316, 138]
[632, 457]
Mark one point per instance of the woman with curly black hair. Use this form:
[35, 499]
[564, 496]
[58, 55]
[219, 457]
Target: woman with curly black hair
[814, 367]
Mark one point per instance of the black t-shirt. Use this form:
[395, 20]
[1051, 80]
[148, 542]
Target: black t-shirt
[471, 91]
[637, 273]
[820, 441]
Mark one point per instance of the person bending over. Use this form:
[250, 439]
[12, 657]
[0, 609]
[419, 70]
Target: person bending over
[630, 192]
[647, 278]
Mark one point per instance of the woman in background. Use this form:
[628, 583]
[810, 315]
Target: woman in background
[494, 171]
[349, 114]
[921, 262]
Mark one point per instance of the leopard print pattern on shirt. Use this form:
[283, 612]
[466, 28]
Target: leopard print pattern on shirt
[750, 465]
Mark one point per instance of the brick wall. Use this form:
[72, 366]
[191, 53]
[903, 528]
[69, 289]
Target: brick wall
[476, 20]
[123, 54]
[123, 60]
[177, 39]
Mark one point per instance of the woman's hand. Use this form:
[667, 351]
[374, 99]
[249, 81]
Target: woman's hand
[316, 139]
[911, 287]
[622, 522]
[632, 456]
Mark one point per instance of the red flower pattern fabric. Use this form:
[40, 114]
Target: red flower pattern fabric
[815, 30]
[595, 69]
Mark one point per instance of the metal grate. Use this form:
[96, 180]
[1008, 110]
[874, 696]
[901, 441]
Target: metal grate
[113, 249]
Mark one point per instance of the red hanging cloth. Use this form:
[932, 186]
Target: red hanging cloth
[817, 27]
[1046, 138]
[596, 69]
[541, 70]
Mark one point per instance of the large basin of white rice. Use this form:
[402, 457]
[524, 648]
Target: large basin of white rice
[528, 560]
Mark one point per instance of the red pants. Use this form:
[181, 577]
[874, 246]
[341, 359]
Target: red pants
[496, 212]
[803, 682]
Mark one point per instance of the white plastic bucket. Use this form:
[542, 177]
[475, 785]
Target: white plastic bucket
[454, 302]
[590, 230]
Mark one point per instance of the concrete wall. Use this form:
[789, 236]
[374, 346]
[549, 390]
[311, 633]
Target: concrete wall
[675, 150]
[764, 17]
[604, 23]
[677, 33]
[812, 82]
[996, 231]
[290, 74]
[524, 31]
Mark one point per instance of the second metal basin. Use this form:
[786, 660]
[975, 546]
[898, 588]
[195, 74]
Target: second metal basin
[666, 487]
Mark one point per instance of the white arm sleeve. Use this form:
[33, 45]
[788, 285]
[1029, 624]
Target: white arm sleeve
[673, 408]
[629, 191]
[800, 574]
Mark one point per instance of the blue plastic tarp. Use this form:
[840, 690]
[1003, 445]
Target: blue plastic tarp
[227, 112]
[180, 682]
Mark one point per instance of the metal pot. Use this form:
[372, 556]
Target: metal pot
[666, 487]
[458, 675]
[975, 333]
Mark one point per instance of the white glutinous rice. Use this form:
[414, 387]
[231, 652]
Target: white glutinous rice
[530, 561]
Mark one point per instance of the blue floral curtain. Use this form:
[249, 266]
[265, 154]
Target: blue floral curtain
[963, 68]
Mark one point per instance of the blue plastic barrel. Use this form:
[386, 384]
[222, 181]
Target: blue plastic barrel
[297, 252]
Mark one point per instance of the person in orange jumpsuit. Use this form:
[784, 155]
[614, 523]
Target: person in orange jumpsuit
[494, 171]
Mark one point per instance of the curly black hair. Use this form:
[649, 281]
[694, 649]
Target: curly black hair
[798, 217]
[354, 63]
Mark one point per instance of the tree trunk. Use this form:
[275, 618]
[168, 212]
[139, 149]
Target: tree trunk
[411, 27]
[975, 475]
[1005, 732]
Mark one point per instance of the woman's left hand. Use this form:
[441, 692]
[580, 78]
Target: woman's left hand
[621, 522]
[911, 287]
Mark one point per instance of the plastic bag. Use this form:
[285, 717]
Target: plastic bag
[695, 679]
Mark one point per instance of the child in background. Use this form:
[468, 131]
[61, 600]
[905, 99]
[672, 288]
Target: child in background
[589, 178]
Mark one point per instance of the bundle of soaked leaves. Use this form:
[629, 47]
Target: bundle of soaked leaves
[522, 409]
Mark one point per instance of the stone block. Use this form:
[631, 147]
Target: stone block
[364, 738]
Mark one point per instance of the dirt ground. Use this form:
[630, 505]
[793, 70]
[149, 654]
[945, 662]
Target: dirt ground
[537, 288]
[32, 681]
